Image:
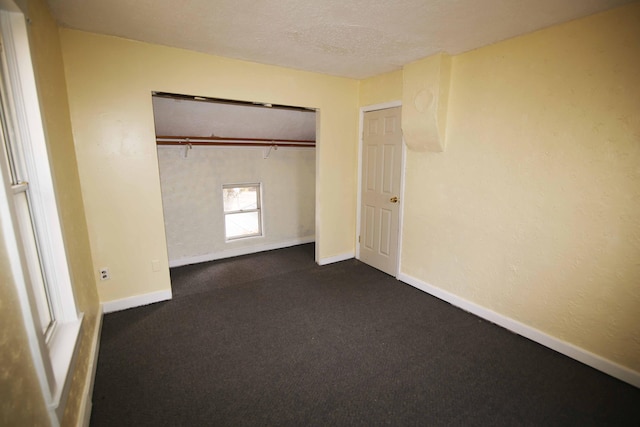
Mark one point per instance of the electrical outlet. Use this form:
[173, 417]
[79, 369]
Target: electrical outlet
[104, 274]
[155, 265]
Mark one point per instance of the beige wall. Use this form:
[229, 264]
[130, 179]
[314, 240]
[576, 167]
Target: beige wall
[21, 395]
[380, 89]
[533, 210]
[110, 81]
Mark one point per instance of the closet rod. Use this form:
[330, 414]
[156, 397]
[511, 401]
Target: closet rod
[220, 141]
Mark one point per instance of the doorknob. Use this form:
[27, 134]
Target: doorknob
[394, 199]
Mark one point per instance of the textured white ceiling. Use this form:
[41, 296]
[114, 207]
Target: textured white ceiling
[179, 117]
[351, 38]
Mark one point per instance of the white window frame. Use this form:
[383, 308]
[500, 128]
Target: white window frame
[258, 209]
[52, 355]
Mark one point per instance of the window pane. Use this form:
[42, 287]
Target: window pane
[33, 260]
[240, 198]
[242, 225]
[8, 148]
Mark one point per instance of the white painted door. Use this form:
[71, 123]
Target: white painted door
[380, 192]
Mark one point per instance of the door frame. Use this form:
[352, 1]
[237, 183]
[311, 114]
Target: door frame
[366, 109]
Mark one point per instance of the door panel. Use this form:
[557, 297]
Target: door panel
[369, 219]
[388, 168]
[371, 168]
[385, 231]
[381, 173]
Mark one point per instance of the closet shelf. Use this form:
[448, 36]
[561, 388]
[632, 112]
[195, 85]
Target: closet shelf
[224, 141]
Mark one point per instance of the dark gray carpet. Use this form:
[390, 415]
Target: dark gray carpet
[273, 339]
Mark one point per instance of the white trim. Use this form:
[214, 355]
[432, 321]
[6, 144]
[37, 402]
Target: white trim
[401, 212]
[229, 253]
[37, 346]
[42, 194]
[336, 258]
[359, 181]
[318, 203]
[11, 225]
[54, 361]
[366, 109]
[135, 301]
[381, 106]
[63, 352]
[87, 393]
[581, 355]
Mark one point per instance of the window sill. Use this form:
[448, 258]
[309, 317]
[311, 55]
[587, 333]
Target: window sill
[252, 236]
[63, 349]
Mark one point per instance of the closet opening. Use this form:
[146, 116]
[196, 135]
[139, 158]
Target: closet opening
[236, 177]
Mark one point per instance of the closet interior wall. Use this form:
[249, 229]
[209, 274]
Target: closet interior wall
[193, 174]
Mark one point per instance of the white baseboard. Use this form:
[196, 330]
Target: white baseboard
[600, 363]
[336, 258]
[239, 251]
[84, 415]
[135, 301]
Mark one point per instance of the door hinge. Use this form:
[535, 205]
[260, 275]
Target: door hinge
[358, 239]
